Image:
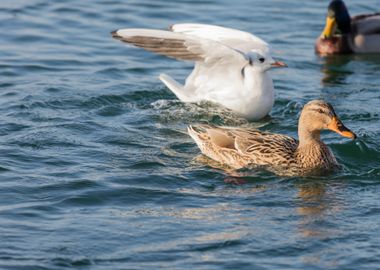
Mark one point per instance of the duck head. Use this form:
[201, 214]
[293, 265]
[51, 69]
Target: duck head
[333, 39]
[319, 115]
[338, 20]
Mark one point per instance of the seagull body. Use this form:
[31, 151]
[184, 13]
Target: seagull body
[230, 65]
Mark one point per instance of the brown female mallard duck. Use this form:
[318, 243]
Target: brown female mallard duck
[343, 34]
[285, 155]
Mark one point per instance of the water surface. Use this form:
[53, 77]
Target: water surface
[97, 171]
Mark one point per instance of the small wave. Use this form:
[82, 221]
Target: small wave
[206, 112]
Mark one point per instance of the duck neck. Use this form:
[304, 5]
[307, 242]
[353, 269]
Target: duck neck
[311, 151]
[308, 135]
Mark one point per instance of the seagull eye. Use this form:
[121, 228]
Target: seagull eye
[261, 59]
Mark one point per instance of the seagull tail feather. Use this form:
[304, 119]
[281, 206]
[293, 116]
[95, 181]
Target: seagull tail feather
[177, 88]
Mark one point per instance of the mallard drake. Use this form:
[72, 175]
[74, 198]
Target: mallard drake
[231, 66]
[343, 34]
[282, 154]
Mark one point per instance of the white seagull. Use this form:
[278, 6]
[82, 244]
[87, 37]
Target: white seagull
[230, 65]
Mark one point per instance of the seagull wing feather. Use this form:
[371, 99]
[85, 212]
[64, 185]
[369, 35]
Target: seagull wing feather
[237, 39]
[181, 46]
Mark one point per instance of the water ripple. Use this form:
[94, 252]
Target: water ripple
[97, 169]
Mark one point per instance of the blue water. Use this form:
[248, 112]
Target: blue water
[97, 171]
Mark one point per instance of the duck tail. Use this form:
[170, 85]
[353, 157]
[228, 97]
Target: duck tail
[199, 135]
[193, 132]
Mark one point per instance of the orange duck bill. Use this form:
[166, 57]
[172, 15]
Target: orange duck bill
[337, 126]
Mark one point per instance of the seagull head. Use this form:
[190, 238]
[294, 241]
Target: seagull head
[263, 61]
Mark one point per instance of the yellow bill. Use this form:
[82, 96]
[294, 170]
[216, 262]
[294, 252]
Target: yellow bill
[337, 126]
[330, 26]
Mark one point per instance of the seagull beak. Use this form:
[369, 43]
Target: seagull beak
[337, 126]
[278, 64]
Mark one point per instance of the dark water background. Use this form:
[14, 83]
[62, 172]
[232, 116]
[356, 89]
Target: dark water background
[97, 171]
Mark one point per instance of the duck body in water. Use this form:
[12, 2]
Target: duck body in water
[346, 35]
[284, 155]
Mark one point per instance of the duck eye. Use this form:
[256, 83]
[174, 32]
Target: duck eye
[320, 111]
[261, 59]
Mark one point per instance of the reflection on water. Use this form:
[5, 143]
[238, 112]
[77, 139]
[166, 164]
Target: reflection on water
[315, 207]
[312, 208]
[333, 69]
[336, 68]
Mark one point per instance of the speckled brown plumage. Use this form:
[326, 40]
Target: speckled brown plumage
[282, 154]
[170, 47]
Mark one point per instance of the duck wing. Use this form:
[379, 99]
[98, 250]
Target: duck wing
[367, 24]
[218, 144]
[265, 148]
[240, 147]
